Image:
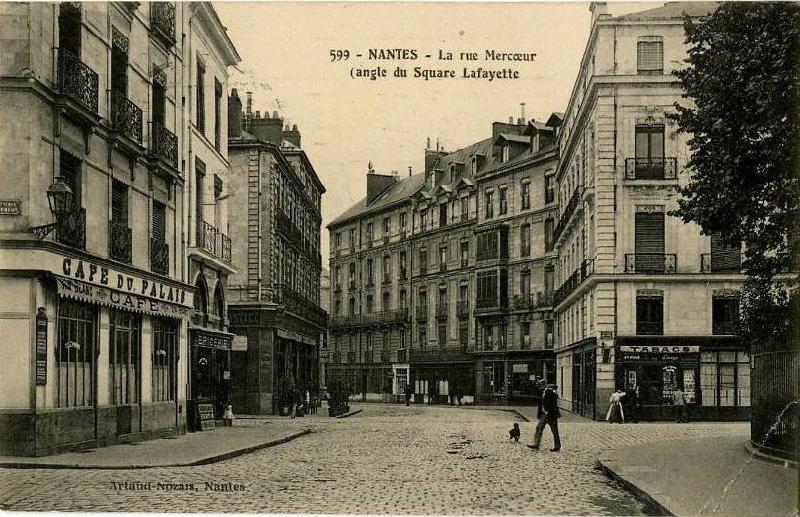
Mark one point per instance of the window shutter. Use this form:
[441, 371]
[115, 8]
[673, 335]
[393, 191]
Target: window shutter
[159, 222]
[650, 233]
[650, 56]
[724, 258]
[119, 203]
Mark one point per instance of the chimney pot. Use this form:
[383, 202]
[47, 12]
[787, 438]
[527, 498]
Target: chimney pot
[274, 114]
[258, 114]
[511, 120]
[409, 170]
[522, 111]
[428, 145]
[294, 127]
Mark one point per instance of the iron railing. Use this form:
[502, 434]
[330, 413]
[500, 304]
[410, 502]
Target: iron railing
[575, 279]
[709, 263]
[119, 242]
[77, 80]
[375, 318]
[650, 328]
[213, 241]
[572, 205]
[162, 21]
[126, 116]
[654, 168]
[775, 392]
[295, 303]
[71, 229]
[164, 144]
[652, 263]
[159, 256]
[723, 328]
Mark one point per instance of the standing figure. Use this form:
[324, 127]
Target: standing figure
[679, 401]
[409, 391]
[431, 394]
[632, 403]
[548, 414]
[227, 415]
[615, 412]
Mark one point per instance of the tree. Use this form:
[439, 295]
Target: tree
[743, 78]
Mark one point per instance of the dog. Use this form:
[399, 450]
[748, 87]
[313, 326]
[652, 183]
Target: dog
[514, 433]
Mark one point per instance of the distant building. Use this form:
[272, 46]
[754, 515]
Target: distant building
[274, 297]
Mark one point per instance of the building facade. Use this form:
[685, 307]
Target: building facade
[94, 289]
[645, 302]
[274, 296]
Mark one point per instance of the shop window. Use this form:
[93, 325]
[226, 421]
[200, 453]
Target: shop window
[75, 360]
[125, 357]
[725, 378]
[649, 316]
[165, 359]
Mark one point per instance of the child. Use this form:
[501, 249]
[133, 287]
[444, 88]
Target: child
[513, 434]
[227, 416]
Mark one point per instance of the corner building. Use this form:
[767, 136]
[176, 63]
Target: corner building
[644, 301]
[93, 284]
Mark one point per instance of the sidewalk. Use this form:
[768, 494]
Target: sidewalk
[705, 476]
[247, 435]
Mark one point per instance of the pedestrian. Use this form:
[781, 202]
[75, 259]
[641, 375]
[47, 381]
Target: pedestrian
[615, 412]
[548, 414]
[679, 401]
[431, 394]
[632, 403]
[291, 398]
[409, 391]
[307, 408]
[514, 433]
[227, 416]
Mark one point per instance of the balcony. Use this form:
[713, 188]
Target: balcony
[386, 356]
[396, 316]
[119, 242]
[488, 305]
[159, 257]
[71, 230]
[442, 267]
[441, 310]
[651, 263]
[162, 22]
[649, 328]
[462, 309]
[164, 146]
[296, 304]
[566, 215]
[723, 328]
[438, 355]
[422, 313]
[575, 279]
[214, 242]
[727, 263]
[126, 117]
[655, 168]
[77, 81]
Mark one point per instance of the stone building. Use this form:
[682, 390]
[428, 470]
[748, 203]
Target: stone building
[645, 302]
[274, 298]
[95, 288]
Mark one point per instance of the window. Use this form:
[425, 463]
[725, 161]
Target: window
[387, 269]
[525, 334]
[402, 260]
[548, 234]
[402, 221]
[649, 151]
[352, 238]
[385, 301]
[423, 299]
[441, 334]
[369, 233]
[464, 253]
[487, 289]
[369, 272]
[351, 309]
[489, 202]
[506, 152]
[217, 114]
[75, 359]
[649, 242]
[159, 251]
[725, 315]
[649, 315]
[443, 258]
[724, 258]
[525, 195]
[159, 222]
[403, 299]
[549, 189]
[464, 201]
[423, 262]
[199, 184]
[487, 245]
[725, 378]
[423, 219]
[120, 234]
[525, 240]
[119, 68]
[124, 356]
[422, 339]
[548, 333]
[503, 201]
[337, 240]
[443, 215]
[463, 335]
[386, 226]
[369, 304]
[650, 57]
[200, 100]
[69, 28]
[549, 277]
[351, 275]
[525, 283]
[337, 308]
[165, 359]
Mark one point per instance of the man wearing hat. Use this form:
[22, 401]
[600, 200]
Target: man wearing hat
[548, 414]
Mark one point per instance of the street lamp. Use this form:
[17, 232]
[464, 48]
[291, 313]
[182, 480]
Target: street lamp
[60, 198]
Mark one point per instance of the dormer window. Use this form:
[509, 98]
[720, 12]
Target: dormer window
[506, 152]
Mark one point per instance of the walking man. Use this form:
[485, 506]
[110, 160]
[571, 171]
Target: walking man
[548, 414]
[408, 390]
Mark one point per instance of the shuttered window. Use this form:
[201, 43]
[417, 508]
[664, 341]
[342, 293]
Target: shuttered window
[71, 174]
[650, 57]
[159, 222]
[159, 104]
[724, 258]
[200, 101]
[119, 203]
[649, 242]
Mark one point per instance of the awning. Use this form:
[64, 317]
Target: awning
[85, 292]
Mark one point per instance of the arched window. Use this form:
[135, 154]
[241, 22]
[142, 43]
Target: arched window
[200, 301]
[219, 306]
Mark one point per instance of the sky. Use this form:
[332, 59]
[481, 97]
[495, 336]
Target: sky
[347, 123]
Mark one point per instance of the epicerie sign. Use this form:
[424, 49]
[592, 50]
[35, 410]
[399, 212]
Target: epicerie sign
[655, 349]
[89, 272]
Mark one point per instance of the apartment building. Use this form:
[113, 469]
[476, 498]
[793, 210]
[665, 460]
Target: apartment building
[645, 302]
[274, 296]
[95, 289]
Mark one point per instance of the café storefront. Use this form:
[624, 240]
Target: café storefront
[712, 371]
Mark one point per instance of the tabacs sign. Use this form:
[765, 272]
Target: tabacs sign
[660, 349]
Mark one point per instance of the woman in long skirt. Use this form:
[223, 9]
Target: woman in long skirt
[615, 413]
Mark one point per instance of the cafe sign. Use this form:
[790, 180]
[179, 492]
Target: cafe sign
[69, 288]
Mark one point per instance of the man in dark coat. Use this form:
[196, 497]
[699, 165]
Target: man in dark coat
[548, 414]
[408, 390]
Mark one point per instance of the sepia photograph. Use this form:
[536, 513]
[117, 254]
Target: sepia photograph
[400, 258]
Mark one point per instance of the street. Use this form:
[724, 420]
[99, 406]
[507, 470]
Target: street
[384, 460]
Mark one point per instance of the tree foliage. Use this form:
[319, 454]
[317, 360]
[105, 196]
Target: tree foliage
[743, 81]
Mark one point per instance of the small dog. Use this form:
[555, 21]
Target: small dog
[514, 433]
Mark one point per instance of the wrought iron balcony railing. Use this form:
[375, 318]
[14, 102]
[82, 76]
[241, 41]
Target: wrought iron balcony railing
[727, 263]
[652, 263]
[159, 256]
[374, 318]
[575, 279]
[77, 80]
[162, 21]
[213, 241]
[402, 355]
[164, 144]
[723, 328]
[126, 116]
[570, 209]
[649, 328]
[119, 242]
[655, 168]
[71, 229]
[295, 303]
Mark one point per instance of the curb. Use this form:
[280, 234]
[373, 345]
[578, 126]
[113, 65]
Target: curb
[520, 415]
[351, 413]
[203, 461]
[653, 506]
[753, 451]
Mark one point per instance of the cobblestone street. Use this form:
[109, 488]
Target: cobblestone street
[386, 459]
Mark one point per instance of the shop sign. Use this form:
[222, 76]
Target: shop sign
[239, 344]
[205, 416]
[41, 347]
[211, 340]
[10, 207]
[295, 336]
[120, 300]
[606, 334]
[520, 368]
[656, 349]
[102, 276]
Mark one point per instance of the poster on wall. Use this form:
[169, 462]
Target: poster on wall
[41, 347]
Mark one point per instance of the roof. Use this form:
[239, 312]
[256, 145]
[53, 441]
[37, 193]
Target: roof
[517, 139]
[672, 10]
[524, 157]
[402, 189]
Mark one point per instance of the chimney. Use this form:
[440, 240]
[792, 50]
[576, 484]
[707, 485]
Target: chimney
[249, 104]
[511, 120]
[258, 114]
[431, 157]
[598, 9]
[292, 135]
[267, 129]
[428, 145]
[522, 112]
[234, 115]
[409, 171]
[377, 183]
